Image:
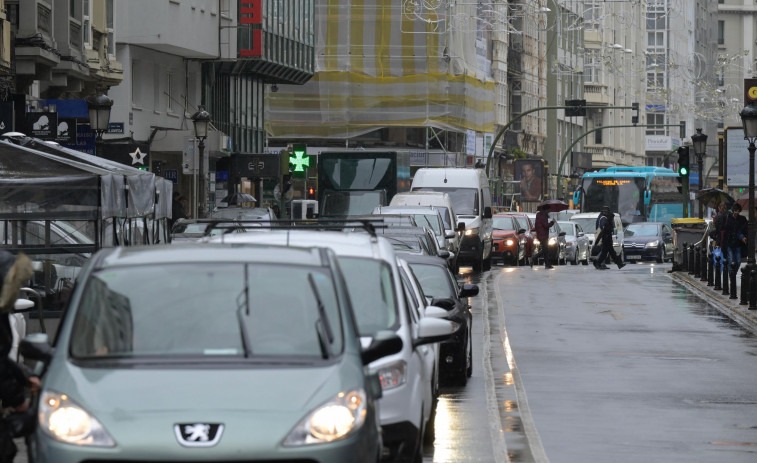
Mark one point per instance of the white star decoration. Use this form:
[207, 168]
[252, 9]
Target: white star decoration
[137, 156]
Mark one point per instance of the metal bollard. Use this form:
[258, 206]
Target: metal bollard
[734, 271]
[703, 264]
[744, 286]
[726, 277]
[685, 258]
[710, 270]
[697, 259]
[718, 270]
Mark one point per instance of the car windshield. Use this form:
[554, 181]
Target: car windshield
[369, 282]
[159, 311]
[434, 280]
[522, 223]
[567, 227]
[638, 229]
[464, 200]
[430, 221]
[503, 223]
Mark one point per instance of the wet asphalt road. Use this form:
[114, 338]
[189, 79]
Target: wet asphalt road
[578, 365]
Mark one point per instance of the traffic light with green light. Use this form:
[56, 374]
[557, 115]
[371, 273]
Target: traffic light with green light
[683, 161]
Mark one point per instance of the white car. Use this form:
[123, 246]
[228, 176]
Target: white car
[577, 248]
[383, 298]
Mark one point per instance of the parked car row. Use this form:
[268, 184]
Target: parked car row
[344, 362]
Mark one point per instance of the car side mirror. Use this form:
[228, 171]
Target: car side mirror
[449, 234]
[561, 234]
[521, 231]
[461, 227]
[384, 343]
[488, 212]
[468, 290]
[580, 234]
[443, 253]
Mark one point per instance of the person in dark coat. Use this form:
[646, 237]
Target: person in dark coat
[606, 224]
[542, 226]
[735, 233]
[15, 380]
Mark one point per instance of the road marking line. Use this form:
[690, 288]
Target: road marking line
[499, 446]
[529, 427]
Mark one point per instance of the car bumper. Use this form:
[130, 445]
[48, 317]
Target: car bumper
[502, 251]
[632, 254]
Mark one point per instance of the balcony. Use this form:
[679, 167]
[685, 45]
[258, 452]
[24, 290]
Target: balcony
[596, 94]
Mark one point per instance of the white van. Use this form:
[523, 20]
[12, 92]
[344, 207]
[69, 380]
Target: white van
[472, 200]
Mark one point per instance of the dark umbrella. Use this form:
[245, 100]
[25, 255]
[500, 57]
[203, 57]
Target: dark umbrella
[238, 198]
[711, 197]
[555, 205]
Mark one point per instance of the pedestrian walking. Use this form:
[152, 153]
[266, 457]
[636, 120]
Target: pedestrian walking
[719, 222]
[606, 224]
[735, 235]
[542, 226]
[16, 381]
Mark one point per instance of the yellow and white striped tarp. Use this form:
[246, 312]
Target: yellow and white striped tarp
[377, 67]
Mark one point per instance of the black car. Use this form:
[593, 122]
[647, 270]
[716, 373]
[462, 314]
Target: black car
[648, 241]
[438, 283]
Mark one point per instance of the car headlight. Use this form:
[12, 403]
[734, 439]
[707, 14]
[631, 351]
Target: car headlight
[471, 232]
[509, 242]
[552, 241]
[536, 241]
[652, 244]
[393, 375]
[332, 421]
[65, 421]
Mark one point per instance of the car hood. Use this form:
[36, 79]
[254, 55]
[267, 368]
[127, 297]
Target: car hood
[503, 233]
[140, 406]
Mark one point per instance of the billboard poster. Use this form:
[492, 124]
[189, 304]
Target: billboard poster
[530, 172]
[42, 125]
[736, 157]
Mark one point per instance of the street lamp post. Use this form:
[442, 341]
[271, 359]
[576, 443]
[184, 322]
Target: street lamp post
[99, 107]
[749, 121]
[699, 140]
[201, 121]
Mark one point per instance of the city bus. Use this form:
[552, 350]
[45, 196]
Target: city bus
[638, 194]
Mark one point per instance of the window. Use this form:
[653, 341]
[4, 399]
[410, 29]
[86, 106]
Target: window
[169, 91]
[656, 119]
[109, 28]
[87, 20]
[721, 32]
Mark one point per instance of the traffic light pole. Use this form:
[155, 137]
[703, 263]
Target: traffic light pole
[524, 113]
[580, 137]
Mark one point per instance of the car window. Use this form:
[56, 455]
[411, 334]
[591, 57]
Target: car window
[369, 282]
[642, 230]
[411, 301]
[434, 280]
[237, 310]
[523, 223]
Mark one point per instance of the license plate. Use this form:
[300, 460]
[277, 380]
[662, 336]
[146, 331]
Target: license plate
[633, 257]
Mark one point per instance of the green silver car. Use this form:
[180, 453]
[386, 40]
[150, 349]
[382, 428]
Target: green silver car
[208, 353]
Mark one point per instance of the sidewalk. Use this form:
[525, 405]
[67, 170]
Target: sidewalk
[729, 307]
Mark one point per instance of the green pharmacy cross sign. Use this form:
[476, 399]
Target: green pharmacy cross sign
[300, 159]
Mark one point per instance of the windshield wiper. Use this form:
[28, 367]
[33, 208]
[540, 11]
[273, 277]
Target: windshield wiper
[322, 325]
[244, 304]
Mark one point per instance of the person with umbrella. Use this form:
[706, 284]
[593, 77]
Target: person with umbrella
[606, 224]
[542, 226]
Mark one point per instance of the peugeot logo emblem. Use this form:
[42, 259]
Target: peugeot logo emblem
[198, 434]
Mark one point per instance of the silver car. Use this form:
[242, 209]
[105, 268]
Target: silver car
[577, 247]
[200, 353]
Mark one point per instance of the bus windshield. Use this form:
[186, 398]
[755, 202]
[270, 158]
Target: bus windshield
[624, 195]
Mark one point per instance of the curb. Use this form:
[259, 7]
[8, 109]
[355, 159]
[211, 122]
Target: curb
[729, 307]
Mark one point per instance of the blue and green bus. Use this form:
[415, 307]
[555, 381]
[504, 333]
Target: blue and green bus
[638, 194]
